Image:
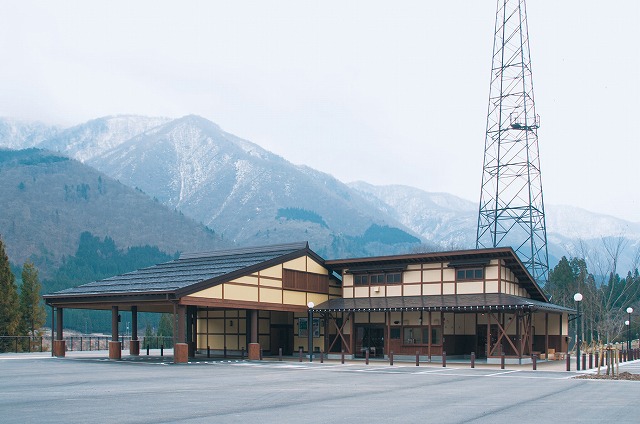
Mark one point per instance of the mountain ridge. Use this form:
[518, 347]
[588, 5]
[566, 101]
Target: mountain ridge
[237, 187]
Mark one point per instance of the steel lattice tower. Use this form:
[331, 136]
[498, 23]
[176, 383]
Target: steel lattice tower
[511, 207]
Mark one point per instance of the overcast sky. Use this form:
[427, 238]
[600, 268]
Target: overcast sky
[381, 91]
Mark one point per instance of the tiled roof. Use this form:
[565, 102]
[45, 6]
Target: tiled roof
[188, 271]
[453, 303]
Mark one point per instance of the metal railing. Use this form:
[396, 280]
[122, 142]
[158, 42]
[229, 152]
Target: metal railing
[17, 344]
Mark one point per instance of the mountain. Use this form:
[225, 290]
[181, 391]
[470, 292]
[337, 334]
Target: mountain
[93, 138]
[248, 193]
[252, 196]
[17, 134]
[452, 221]
[49, 200]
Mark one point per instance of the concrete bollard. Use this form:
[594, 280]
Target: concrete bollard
[473, 359]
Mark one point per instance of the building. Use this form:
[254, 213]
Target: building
[257, 300]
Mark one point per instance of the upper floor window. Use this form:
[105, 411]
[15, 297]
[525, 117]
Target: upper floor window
[470, 274]
[374, 279]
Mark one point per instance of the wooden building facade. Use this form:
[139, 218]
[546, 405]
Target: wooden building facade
[256, 300]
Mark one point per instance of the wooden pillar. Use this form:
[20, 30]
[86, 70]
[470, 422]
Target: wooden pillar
[325, 347]
[59, 348]
[352, 336]
[53, 328]
[180, 349]
[181, 324]
[114, 323]
[546, 335]
[134, 343]
[531, 333]
[192, 331]
[387, 347]
[429, 342]
[519, 332]
[488, 335]
[59, 324]
[134, 323]
[254, 344]
[115, 348]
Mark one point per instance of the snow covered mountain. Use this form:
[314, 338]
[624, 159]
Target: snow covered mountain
[17, 134]
[241, 190]
[97, 136]
[451, 222]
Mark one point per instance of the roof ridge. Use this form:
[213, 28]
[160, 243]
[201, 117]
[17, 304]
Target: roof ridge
[244, 250]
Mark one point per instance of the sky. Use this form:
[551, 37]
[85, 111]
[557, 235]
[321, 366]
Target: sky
[378, 91]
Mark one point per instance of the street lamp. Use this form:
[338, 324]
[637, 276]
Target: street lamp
[578, 298]
[310, 330]
[629, 311]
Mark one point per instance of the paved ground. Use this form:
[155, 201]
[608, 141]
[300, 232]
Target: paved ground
[85, 387]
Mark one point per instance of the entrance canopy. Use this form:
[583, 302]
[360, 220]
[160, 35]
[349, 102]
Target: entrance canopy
[447, 303]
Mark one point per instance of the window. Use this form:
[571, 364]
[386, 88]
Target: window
[395, 333]
[374, 279]
[470, 273]
[412, 335]
[393, 278]
[361, 280]
[436, 335]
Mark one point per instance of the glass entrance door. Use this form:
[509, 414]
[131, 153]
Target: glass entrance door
[369, 338]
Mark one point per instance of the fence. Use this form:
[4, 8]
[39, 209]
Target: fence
[76, 343]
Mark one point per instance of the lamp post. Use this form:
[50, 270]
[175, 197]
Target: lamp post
[629, 311]
[310, 330]
[578, 298]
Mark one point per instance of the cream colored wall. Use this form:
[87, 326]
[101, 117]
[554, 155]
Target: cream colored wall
[449, 323]
[465, 324]
[554, 325]
[265, 286]
[436, 279]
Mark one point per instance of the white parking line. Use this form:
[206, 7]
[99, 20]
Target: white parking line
[501, 373]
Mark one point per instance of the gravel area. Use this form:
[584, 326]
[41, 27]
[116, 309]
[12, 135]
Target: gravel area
[622, 376]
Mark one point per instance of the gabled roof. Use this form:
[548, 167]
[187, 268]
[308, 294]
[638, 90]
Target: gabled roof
[189, 273]
[452, 303]
[456, 258]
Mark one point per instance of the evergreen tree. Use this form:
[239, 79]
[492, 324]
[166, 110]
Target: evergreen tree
[165, 329]
[31, 308]
[9, 310]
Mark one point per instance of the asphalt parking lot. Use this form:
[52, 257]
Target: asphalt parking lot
[90, 388]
